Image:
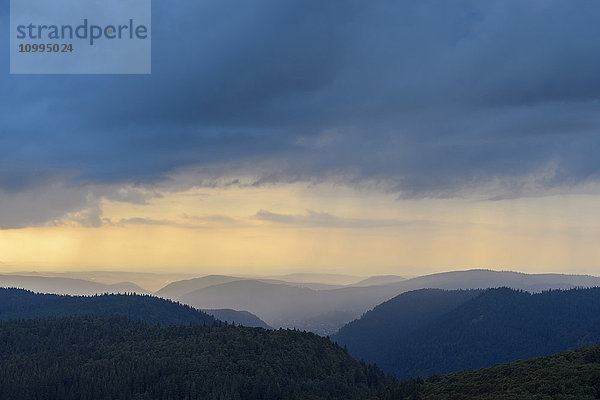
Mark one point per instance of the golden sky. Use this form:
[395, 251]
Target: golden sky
[325, 228]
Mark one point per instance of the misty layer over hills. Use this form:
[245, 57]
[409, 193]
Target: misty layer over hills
[315, 302]
[379, 280]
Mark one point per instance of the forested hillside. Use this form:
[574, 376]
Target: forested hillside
[497, 326]
[573, 375]
[117, 358]
[18, 303]
[380, 330]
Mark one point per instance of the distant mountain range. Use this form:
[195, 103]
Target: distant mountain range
[324, 311]
[482, 278]
[178, 289]
[60, 285]
[427, 332]
[149, 281]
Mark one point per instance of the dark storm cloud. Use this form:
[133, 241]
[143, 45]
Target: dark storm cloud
[429, 97]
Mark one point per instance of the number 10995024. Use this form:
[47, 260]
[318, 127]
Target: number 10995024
[45, 48]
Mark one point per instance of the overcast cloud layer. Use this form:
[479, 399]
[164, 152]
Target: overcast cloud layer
[427, 98]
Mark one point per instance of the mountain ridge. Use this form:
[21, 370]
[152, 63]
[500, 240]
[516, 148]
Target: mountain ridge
[19, 304]
[496, 326]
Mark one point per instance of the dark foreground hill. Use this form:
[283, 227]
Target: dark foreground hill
[497, 326]
[18, 303]
[573, 375]
[117, 358]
